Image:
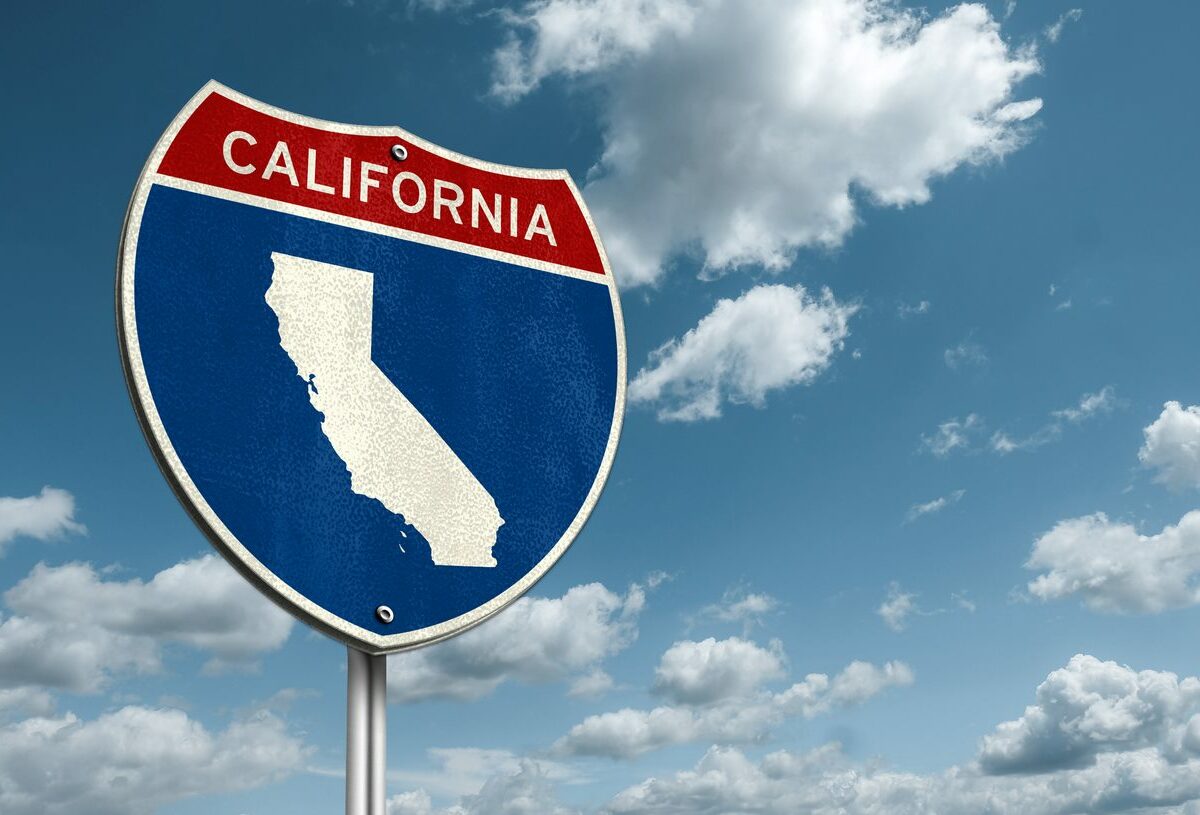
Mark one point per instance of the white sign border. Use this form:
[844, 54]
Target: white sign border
[185, 489]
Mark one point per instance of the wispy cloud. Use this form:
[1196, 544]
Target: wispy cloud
[961, 434]
[1055, 29]
[936, 505]
[952, 434]
[906, 310]
[739, 605]
[967, 353]
[897, 607]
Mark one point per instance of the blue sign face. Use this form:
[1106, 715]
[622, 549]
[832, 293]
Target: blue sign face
[393, 420]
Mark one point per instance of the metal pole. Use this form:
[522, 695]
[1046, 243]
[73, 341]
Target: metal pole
[366, 733]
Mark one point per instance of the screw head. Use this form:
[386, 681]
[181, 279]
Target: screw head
[399, 152]
[384, 615]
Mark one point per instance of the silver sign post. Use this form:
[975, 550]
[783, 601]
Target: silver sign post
[366, 733]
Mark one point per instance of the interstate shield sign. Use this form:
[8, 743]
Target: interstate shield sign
[386, 379]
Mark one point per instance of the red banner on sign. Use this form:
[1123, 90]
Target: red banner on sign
[228, 145]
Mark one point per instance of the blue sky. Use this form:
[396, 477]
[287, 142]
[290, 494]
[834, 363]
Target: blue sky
[992, 264]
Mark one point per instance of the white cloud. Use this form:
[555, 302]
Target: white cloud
[1090, 404]
[1113, 568]
[1172, 446]
[1092, 707]
[135, 760]
[717, 695]
[906, 310]
[1100, 737]
[534, 640]
[30, 701]
[964, 355]
[897, 607]
[463, 771]
[74, 629]
[525, 790]
[952, 434]
[592, 685]
[574, 38]
[961, 600]
[1055, 29]
[746, 131]
[740, 605]
[955, 435]
[49, 514]
[1003, 444]
[936, 505]
[708, 671]
[770, 337]
[825, 782]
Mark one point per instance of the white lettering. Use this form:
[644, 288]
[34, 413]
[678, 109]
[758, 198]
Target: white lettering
[347, 172]
[312, 175]
[227, 151]
[512, 217]
[452, 204]
[540, 217]
[492, 215]
[398, 181]
[281, 162]
[365, 181]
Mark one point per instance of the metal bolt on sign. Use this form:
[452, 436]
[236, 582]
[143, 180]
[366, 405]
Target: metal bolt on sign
[361, 381]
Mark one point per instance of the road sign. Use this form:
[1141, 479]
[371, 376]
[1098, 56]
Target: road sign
[386, 379]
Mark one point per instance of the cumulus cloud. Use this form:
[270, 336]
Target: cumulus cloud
[460, 771]
[74, 629]
[577, 38]
[701, 673]
[825, 782]
[746, 131]
[1114, 568]
[135, 760]
[526, 790]
[1092, 707]
[1100, 737]
[534, 640]
[1172, 446]
[716, 693]
[591, 685]
[47, 515]
[27, 700]
[770, 337]
[936, 505]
